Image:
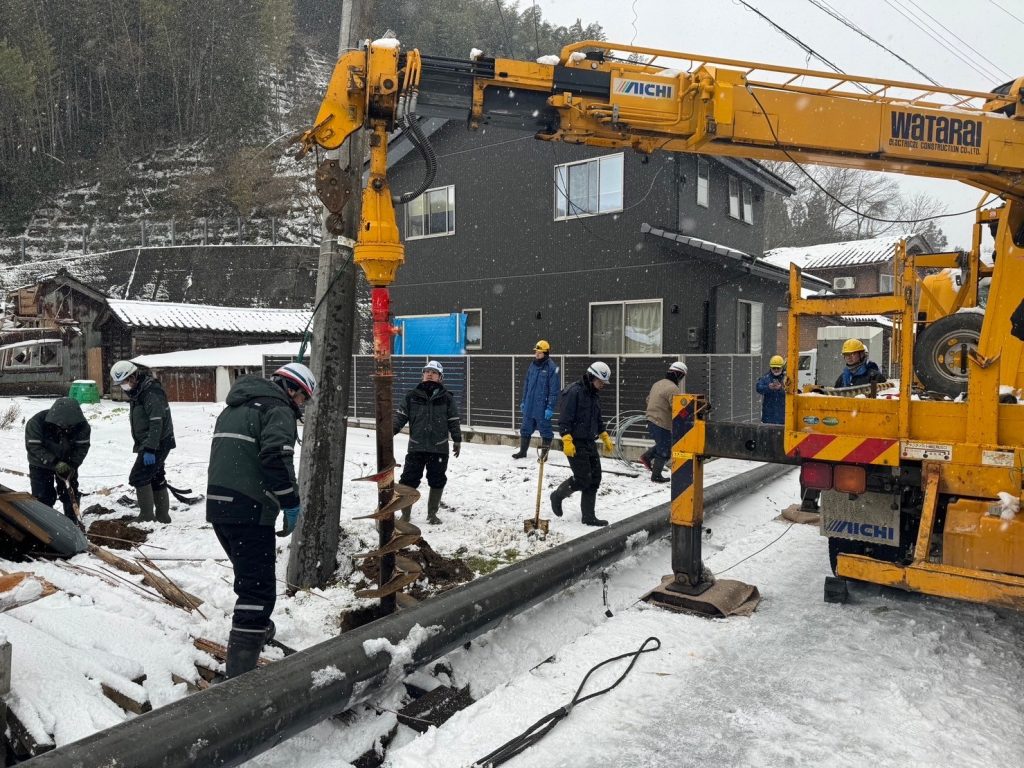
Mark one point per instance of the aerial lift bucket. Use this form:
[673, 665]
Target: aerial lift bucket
[691, 587]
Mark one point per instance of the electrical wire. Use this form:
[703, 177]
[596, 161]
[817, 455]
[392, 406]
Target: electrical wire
[832, 197]
[762, 549]
[542, 727]
[990, 64]
[504, 29]
[1012, 16]
[536, 31]
[822, 5]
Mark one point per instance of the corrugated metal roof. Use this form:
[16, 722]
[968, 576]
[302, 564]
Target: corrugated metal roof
[164, 314]
[877, 250]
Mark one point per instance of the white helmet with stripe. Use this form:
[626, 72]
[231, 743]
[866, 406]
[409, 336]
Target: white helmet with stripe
[298, 375]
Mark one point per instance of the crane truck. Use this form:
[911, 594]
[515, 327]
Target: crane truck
[918, 491]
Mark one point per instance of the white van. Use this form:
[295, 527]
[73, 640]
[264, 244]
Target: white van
[806, 369]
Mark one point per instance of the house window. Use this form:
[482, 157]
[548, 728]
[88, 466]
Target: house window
[734, 197]
[703, 180]
[625, 327]
[748, 328]
[474, 328]
[588, 188]
[748, 204]
[884, 282]
[431, 214]
[32, 356]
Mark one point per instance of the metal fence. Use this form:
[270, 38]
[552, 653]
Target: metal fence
[488, 388]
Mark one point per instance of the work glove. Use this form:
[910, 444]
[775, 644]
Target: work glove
[148, 458]
[548, 413]
[63, 469]
[291, 519]
[522, 408]
[607, 442]
[456, 448]
[567, 447]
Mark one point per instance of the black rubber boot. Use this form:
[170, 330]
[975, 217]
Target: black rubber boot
[524, 448]
[560, 493]
[433, 504]
[657, 465]
[162, 504]
[587, 506]
[545, 446]
[244, 648]
[144, 493]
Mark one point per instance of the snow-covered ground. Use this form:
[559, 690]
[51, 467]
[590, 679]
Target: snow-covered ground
[886, 680]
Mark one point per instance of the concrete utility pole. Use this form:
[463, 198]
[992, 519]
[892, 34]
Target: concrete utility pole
[312, 560]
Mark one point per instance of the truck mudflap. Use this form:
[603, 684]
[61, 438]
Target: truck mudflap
[870, 517]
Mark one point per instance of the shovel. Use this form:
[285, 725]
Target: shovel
[534, 524]
[74, 502]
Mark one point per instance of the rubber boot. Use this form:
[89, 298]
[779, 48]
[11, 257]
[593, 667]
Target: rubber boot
[657, 465]
[144, 493]
[524, 448]
[433, 504]
[558, 495]
[406, 511]
[587, 507]
[162, 504]
[545, 446]
[244, 648]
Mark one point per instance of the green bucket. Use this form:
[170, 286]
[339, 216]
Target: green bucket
[84, 391]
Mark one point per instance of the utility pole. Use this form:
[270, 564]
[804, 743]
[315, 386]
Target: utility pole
[312, 560]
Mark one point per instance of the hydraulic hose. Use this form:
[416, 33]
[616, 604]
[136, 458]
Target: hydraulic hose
[422, 143]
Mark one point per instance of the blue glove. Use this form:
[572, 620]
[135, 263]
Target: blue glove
[149, 458]
[522, 408]
[291, 518]
[548, 413]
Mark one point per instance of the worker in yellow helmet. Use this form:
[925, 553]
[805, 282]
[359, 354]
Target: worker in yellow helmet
[859, 370]
[541, 387]
[772, 389]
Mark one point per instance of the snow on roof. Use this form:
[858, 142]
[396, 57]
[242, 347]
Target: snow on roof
[241, 356]
[827, 255]
[165, 314]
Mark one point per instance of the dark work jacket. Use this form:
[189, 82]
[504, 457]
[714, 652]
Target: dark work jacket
[60, 433]
[540, 389]
[579, 414]
[252, 469]
[150, 416]
[432, 417]
[773, 406]
[865, 373]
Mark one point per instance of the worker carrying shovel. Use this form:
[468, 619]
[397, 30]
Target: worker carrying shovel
[57, 441]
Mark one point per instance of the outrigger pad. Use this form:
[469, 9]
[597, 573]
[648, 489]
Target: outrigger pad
[794, 514]
[720, 600]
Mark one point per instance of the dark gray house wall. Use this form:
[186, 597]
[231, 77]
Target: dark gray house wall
[536, 277]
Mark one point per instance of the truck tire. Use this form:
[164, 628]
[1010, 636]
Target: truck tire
[938, 349]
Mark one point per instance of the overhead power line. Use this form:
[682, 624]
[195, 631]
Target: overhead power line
[1012, 16]
[991, 64]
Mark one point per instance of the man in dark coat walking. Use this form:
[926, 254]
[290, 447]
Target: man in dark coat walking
[540, 396]
[251, 479]
[57, 441]
[430, 411]
[153, 435]
[580, 424]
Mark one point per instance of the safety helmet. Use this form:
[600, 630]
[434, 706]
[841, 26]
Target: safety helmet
[298, 375]
[777, 361]
[121, 370]
[853, 345]
[600, 371]
[678, 367]
[434, 365]
[542, 346]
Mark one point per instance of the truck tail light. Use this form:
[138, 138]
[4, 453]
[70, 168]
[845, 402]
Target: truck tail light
[849, 478]
[814, 474]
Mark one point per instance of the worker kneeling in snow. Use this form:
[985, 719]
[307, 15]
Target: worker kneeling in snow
[57, 441]
[252, 479]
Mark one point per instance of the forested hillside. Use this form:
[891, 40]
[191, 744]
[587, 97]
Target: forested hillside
[179, 108]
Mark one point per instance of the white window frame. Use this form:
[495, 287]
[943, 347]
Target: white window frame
[424, 201]
[747, 203]
[735, 210]
[883, 278]
[33, 350]
[622, 338]
[562, 192]
[703, 182]
[480, 311]
[756, 338]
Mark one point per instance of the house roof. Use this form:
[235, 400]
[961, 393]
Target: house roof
[165, 314]
[743, 261]
[246, 355]
[877, 250]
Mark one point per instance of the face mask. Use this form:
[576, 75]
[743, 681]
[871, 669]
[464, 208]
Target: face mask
[126, 387]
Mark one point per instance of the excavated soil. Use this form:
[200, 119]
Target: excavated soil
[98, 509]
[116, 534]
[441, 573]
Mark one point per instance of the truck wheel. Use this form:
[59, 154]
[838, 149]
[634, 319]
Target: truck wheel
[938, 350]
